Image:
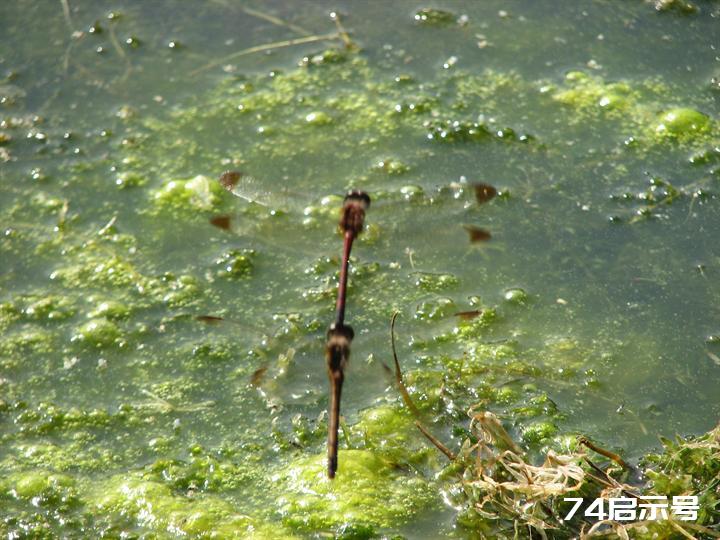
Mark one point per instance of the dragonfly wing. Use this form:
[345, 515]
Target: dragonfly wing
[246, 187]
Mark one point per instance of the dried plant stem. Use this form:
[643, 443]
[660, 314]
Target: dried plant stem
[335, 16]
[275, 20]
[66, 13]
[430, 437]
[116, 44]
[610, 455]
[682, 531]
[265, 47]
[408, 400]
[398, 372]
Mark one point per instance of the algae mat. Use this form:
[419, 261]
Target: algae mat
[121, 415]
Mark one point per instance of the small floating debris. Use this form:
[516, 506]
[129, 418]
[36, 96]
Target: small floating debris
[477, 234]
[484, 192]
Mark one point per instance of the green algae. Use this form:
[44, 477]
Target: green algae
[435, 309]
[435, 282]
[234, 264]
[591, 95]
[367, 491]
[187, 196]
[155, 507]
[682, 123]
[434, 17]
[98, 333]
[636, 106]
[150, 298]
[111, 310]
[36, 484]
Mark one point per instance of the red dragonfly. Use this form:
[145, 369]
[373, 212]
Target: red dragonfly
[339, 335]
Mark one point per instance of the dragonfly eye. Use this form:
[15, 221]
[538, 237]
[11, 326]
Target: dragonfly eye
[352, 217]
[340, 331]
[359, 197]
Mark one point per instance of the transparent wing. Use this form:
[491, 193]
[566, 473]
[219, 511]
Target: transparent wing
[256, 191]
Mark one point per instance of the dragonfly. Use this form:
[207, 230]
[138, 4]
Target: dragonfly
[339, 335]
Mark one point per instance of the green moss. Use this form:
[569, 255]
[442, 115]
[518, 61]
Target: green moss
[679, 6]
[469, 331]
[176, 292]
[366, 491]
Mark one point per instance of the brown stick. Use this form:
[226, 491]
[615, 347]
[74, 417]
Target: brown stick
[275, 20]
[335, 16]
[607, 453]
[398, 373]
[430, 437]
[408, 400]
[265, 47]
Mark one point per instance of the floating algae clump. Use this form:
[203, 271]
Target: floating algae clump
[29, 485]
[98, 332]
[634, 105]
[367, 491]
[592, 93]
[434, 17]
[198, 193]
[154, 506]
[682, 123]
[234, 264]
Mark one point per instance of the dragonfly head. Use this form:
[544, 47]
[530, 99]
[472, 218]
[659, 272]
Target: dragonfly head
[352, 216]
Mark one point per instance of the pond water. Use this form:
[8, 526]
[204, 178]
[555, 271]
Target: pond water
[122, 415]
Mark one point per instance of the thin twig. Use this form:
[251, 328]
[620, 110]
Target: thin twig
[62, 215]
[107, 226]
[408, 400]
[702, 529]
[430, 437]
[265, 47]
[276, 21]
[398, 373]
[682, 531]
[610, 455]
[116, 44]
[335, 16]
[66, 13]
